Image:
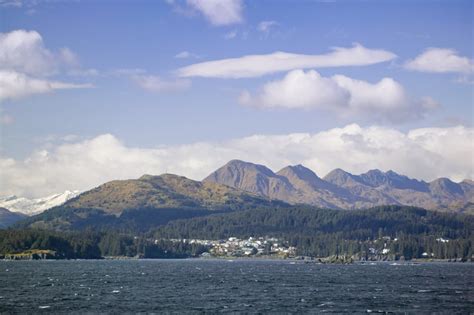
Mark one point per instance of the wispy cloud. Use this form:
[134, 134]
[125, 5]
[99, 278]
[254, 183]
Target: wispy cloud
[258, 65]
[219, 12]
[266, 26]
[216, 12]
[186, 55]
[11, 3]
[155, 83]
[231, 34]
[15, 85]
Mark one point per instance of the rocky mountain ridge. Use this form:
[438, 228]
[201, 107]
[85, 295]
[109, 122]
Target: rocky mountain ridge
[342, 190]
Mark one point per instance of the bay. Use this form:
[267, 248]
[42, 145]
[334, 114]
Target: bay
[247, 286]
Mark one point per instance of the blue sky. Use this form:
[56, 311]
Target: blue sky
[123, 74]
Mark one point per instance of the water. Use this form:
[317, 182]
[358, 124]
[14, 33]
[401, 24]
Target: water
[248, 286]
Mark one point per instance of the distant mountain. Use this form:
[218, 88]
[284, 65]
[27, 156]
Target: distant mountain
[342, 190]
[310, 189]
[35, 206]
[139, 204]
[254, 178]
[150, 201]
[8, 218]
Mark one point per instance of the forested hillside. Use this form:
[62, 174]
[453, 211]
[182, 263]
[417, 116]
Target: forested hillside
[405, 231]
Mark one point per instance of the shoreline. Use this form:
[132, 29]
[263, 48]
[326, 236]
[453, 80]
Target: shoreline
[318, 260]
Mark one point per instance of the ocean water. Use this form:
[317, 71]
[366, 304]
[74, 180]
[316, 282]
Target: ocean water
[246, 286]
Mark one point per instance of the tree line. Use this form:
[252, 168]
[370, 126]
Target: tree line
[397, 231]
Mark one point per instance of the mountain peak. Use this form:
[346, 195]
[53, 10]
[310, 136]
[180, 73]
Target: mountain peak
[339, 177]
[146, 177]
[377, 178]
[251, 177]
[299, 172]
[444, 186]
[243, 165]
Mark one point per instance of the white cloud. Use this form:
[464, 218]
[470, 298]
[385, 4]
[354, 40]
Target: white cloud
[157, 84]
[266, 26]
[258, 65]
[185, 55]
[425, 153]
[11, 3]
[299, 89]
[385, 99]
[84, 72]
[15, 85]
[25, 62]
[441, 60]
[230, 35]
[24, 51]
[69, 57]
[219, 12]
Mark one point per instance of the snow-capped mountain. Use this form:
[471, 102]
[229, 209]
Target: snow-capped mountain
[35, 206]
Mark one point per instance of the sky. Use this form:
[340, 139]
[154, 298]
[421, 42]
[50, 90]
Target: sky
[92, 91]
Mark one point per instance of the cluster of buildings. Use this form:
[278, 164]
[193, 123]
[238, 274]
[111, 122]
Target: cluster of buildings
[260, 246]
[253, 246]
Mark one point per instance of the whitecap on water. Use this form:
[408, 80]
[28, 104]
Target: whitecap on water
[116, 291]
[43, 307]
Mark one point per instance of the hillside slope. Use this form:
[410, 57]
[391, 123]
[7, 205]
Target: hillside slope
[8, 218]
[139, 204]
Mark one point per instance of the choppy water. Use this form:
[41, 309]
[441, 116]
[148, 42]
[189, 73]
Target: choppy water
[233, 286]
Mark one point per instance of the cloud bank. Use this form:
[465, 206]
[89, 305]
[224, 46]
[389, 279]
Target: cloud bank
[441, 60]
[385, 99]
[425, 153]
[259, 65]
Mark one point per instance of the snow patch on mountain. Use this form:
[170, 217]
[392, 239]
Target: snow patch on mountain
[38, 205]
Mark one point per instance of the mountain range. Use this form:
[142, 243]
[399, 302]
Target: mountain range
[140, 204]
[342, 190]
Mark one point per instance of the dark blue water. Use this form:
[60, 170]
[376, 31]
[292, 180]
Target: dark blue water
[259, 286]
